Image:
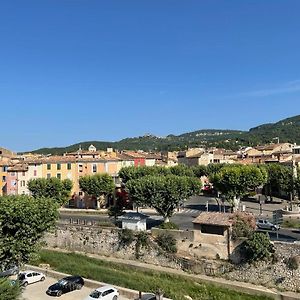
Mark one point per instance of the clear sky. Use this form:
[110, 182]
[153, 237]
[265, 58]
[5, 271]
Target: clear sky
[78, 70]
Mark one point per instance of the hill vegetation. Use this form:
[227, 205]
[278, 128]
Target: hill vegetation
[287, 130]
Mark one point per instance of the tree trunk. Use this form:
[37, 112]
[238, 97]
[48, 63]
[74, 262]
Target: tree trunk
[236, 203]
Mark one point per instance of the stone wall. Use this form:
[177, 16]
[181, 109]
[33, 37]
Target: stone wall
[197, 245]
[105, 242]
[275, 274]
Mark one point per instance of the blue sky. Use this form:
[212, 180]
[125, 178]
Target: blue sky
[77, 70]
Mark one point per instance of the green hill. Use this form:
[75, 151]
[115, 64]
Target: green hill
[287, 130]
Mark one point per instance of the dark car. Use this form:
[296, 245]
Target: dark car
[11, 270]
[65, 285]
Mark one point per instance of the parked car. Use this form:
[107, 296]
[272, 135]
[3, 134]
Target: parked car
[265, 224]
[29, 277]
[148, 296]
[106, 292]
[65, 285]
[11, 270]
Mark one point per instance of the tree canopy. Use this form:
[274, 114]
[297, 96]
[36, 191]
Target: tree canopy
[163, 193]
[54, 188]
[235, 181]
[24, 220]
[280, 179]
[97, 185]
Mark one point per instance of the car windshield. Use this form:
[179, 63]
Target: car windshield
[62, 282]
[95, 294]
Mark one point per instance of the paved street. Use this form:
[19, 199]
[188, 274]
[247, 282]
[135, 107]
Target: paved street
[37, 291]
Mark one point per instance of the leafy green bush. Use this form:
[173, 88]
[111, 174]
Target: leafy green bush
[168, 225]
[167, 242]
[258, 247]
[126, 237]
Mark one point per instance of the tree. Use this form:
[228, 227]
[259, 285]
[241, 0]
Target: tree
[163, 193]
[24, 221]
[235, 181]
[129, 173]
[182, 170]
[9, 291]
[280, 179]
[199, 171]
[99, 186]
[54, 188]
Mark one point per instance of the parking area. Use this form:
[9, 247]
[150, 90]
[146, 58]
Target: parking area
[37, 291]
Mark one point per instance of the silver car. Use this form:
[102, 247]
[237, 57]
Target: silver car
[266, 224]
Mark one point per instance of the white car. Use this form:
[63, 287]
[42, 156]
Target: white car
[106, 292]
[28, 277]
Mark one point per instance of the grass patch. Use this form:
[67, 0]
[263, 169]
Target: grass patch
[291, 223]
[174, 286]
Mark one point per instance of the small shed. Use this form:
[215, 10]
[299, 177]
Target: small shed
[213, 222]
[134, 221]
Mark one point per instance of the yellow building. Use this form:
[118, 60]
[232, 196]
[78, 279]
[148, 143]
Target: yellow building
[62, 167]
[3, 176]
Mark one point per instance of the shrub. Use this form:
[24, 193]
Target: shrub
[115, 211]
[258, 247]
[126, 237]
[293, 263]
[167, 242]
[142, 241]
[168, 225]
[243, 225]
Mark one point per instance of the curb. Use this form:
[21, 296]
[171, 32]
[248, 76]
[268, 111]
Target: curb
[93, 284]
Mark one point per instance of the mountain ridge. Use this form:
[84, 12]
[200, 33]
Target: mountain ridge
[286, 130]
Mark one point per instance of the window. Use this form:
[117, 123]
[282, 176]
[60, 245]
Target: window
[58, 166]
[23, 183]
[94, 168]
[34, 173]
[212, 229]
[48, 176]
[80, 167]
[69, 166]
[4, 168]
[48, 166]
[12, 174]
[23, 173]
[3, 178]
[58, 175]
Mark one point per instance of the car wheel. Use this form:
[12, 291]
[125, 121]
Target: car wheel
[25, 283]
[59, 293]
[43, 278]
[78, 286]
[115, 297]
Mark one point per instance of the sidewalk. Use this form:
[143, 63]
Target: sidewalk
[221, 282]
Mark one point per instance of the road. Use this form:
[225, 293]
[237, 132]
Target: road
[37, 291]
[193, 207]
